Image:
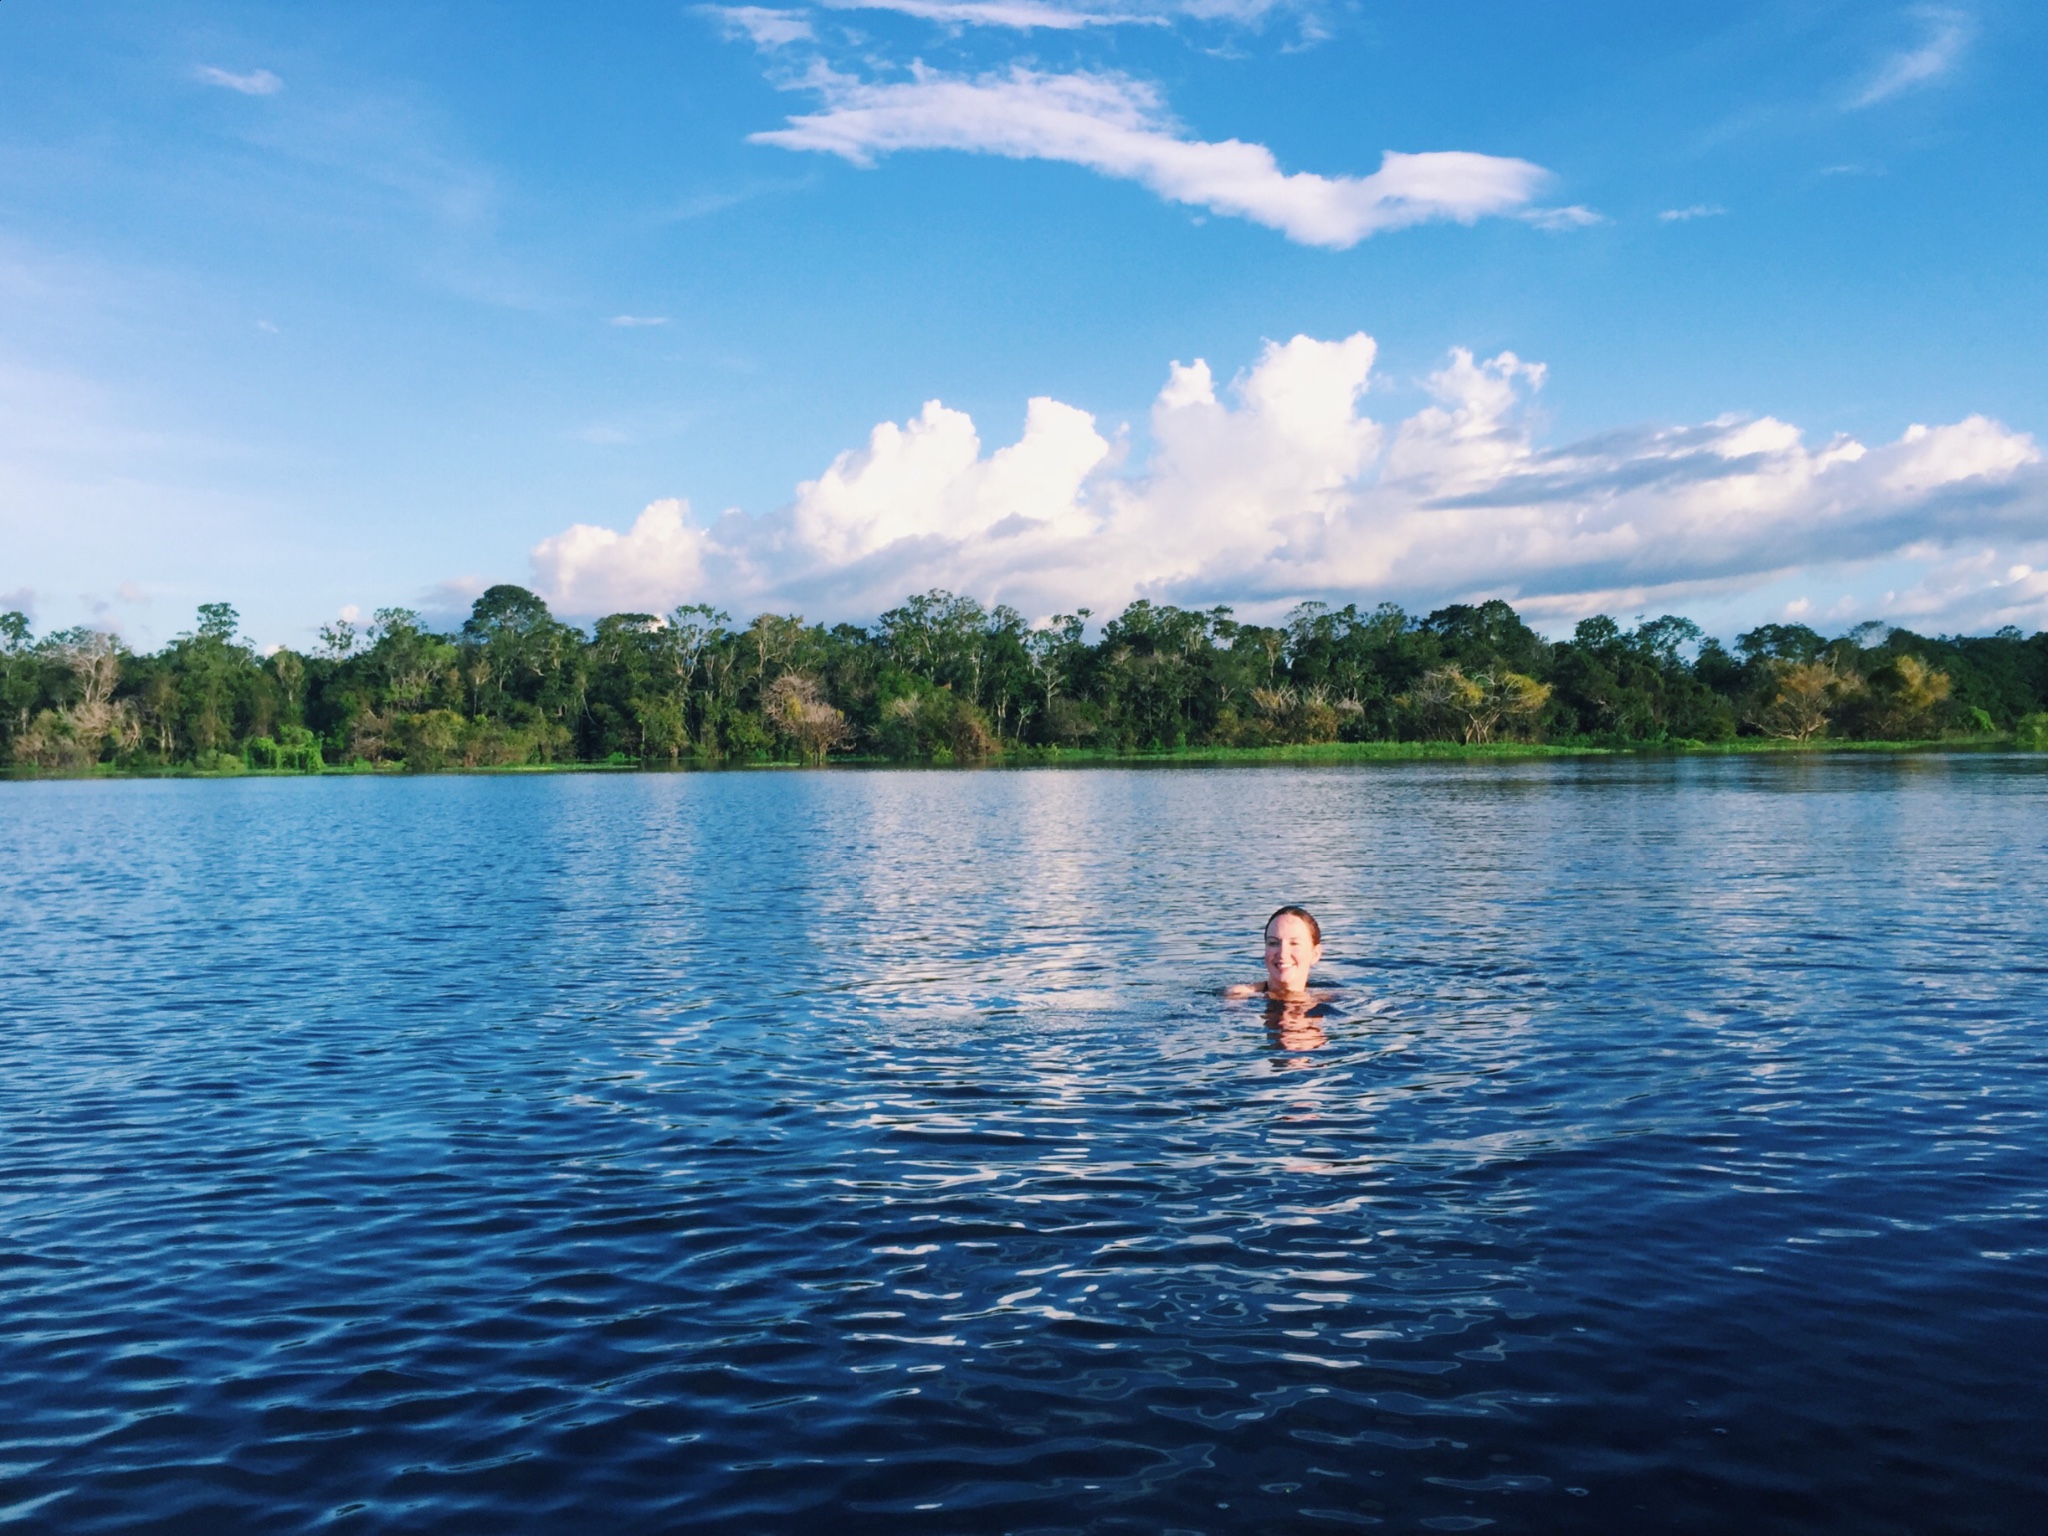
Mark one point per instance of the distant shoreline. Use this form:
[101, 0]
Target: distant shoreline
[1339, 752]
[944, 681]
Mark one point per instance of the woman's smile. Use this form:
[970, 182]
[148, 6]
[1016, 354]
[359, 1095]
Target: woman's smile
[1292, 950]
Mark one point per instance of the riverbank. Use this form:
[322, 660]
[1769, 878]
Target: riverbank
[1456, 751]
[1334, 752]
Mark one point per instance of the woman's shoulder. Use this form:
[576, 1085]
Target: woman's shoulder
[1246, 989]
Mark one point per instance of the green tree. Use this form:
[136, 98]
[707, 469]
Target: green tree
[1903, 697]
[418, 669]
[630, 704]
[1055, 653]
[524, 669]
[216, 694]
[1634, 685]
[21, 680]
[1150, 664]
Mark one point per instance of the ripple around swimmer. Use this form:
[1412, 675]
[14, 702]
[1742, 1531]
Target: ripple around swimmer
[746, 1152]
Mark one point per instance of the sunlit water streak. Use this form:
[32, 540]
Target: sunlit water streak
[872, 1151]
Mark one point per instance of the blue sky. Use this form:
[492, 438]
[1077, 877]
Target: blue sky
[1732, 310]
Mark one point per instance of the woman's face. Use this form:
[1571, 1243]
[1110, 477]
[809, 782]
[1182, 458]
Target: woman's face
[1291, 953]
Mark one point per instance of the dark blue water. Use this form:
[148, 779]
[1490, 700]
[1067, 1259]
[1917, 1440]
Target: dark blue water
[872, 1152]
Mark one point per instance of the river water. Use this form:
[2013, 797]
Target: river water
[872, 1151]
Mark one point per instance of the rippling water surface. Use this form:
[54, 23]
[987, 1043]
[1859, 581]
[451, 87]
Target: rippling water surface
[873, 1152]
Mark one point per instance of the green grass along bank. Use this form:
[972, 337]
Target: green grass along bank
[1323, 753]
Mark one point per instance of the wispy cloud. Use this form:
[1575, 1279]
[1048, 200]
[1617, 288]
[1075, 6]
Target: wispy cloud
[1945, 34]
[1559, 219]
[761, 25]
[1118, 126]
[629, 322]
[258, 82]
[1696, 211]
[1280, 488]
[389, 170]
[1018, 15]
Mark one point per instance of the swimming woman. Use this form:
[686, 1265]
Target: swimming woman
[1294, 943]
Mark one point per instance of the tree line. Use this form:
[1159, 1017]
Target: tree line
[944, 679]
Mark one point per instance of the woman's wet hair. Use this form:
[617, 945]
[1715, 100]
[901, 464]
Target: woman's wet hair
[1315, 929]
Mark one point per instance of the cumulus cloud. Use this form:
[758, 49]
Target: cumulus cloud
[1945, 34]
[1119, 126]
[258, 82]
[927, 480]
[1278, 487]
[1236, 488]
[1696, 211]
[587, 569]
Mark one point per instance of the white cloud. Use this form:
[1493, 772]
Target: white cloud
[1230, 488]
[927, 479]
[1119, 127]
[1945, 34]
[762, 26]
[630, 322]
[1240, 11]
[1559, 219]
[1018, 15]
[1927, 458]
[258, 82]
[1979, 587]
[590, 570]
[1696, 211]
[1280, 488]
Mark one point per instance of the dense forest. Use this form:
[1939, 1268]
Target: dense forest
[943, 679]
